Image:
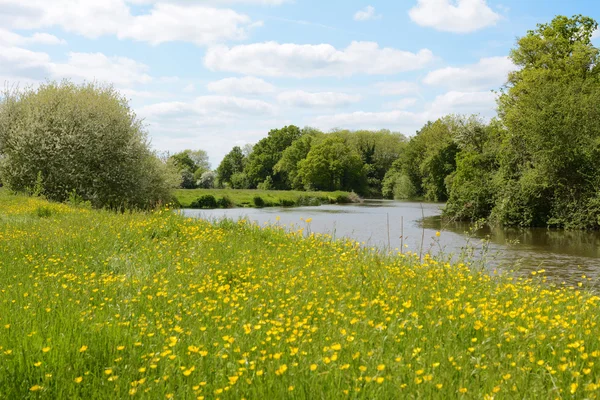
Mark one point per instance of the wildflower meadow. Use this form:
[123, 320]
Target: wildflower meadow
[100, 305]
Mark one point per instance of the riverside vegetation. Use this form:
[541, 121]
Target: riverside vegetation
[95, 304]
[226, 198]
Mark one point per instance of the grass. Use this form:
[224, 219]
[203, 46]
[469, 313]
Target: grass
[99, 305]
[245, 197]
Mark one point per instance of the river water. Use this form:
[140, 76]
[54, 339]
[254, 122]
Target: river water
[411, 226]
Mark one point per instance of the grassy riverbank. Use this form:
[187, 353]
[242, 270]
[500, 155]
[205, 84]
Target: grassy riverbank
[99, 305]
[247, 197]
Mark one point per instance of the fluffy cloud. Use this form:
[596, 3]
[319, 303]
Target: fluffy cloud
[165, 22]
[460, 16]
[22, 65]
[488, 73]
[245, 85]
[215, 2]
[121, 71]
[409, 121]
[209, 107]
[366, 14]
[9, 38]
[300, 61]
[17, 64]
[300, 98]
[198, 24]
[397, 88]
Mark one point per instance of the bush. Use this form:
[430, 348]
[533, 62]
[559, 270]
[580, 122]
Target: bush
[287, 203]
[259, 202]
[79, 137]
[205, 201]
[225, 202]
[267, 184]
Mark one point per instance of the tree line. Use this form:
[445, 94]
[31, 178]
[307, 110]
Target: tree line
[535, 164]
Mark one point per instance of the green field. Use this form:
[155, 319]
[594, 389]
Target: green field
[98, 305]
[245, 197]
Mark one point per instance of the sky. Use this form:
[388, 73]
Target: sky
[213, 74]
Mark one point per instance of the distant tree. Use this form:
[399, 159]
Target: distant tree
[233, 163]
[191, 164]
[333, 165]
[289, 164]
[83, 139]
[267, 153]
[207, 180]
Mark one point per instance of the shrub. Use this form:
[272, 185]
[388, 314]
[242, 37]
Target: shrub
[287, 203]
[259, 202]
[205, 201]
[79, 137]
[225, 202]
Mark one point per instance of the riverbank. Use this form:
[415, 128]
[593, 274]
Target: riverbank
[227, 198]
[97, 305]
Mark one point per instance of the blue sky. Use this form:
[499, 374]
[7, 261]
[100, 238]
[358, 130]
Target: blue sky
[213, 74]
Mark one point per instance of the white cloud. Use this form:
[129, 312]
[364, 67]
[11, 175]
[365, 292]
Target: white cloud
[9, 38]
[200, 24]
[401, 104]
[208, 106]
[197, 24]
[300, 61]
[215, 2]
[245, 85]
[120, 71]
[596, 34]
[460, 16]
[488, 73]
[300, 98]
[397, 88]
[366, 14]
[17, 64]
[462, 103]
[409, 121]
[189, 88]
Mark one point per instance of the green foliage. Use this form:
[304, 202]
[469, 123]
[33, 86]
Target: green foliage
[548, 165]
[206, 201]
[225, 202]
[267, 153]
[267, 184]
[332, 164]
[239, 180]
[258, 202]
[289, 164]
[83, 138]
[233, 163]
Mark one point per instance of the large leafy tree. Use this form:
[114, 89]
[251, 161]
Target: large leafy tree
[232, 164]
[191, 164]
[267, 153]
[79, 138]
[332, 164]
[548, 166]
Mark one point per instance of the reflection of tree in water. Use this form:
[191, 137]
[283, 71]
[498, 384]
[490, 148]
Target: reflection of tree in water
[565, 255]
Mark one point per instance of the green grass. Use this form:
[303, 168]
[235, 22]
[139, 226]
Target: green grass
[245, 197]
[98, 305]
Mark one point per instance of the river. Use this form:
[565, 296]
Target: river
[564, 255]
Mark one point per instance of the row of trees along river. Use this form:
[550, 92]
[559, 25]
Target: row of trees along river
[535, 165]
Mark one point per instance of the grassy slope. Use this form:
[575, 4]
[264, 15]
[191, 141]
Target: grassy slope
[97, 305]
[244, 197]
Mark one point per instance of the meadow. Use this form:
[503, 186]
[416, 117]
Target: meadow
[246, 197]
[100, 305]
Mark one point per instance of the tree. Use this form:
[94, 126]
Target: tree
[233, 163]
[333, 165]
[83, 139]
[191, 164]
[548, 166]
[289, 164]
[267, 153]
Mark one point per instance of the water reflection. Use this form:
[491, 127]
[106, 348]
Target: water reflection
[391, 224]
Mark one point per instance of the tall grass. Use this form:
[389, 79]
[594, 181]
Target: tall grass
[98, 305]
